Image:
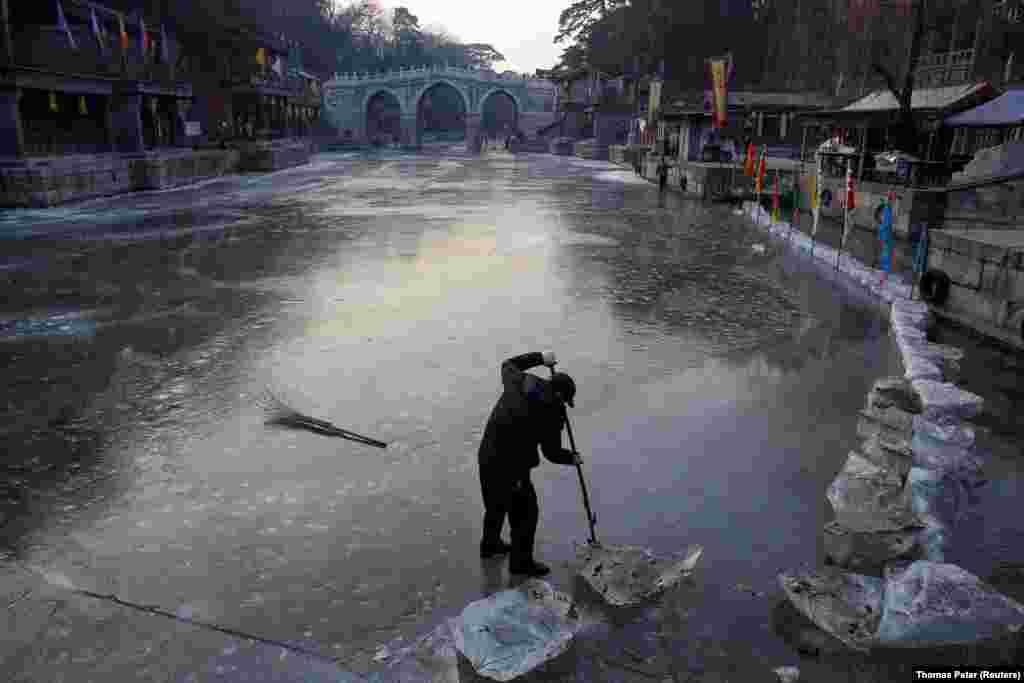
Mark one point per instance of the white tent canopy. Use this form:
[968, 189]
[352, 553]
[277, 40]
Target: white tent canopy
[1005, 110]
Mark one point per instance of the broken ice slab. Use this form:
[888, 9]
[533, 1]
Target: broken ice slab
[934, 454]
[929, 604]
[944, 403]
[954, 434]
[515, 631]
[947, 358]
[921, 368]
[866, 497]
[892, 424]
[890, 392]
[868, 552]
[629, 575]
[940, 498]
[910, 307]
[846, 605]
[888, 456]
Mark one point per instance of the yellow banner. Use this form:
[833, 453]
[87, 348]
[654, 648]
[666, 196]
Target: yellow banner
[719, 96]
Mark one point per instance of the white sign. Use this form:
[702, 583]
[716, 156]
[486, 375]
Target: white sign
[192, 128]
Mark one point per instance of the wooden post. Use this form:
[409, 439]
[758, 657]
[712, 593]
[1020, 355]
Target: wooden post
[797, 190]
[7, 49]
[863, 152]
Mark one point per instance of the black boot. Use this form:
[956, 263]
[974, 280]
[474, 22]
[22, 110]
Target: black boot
[532, 568]
[488, 550]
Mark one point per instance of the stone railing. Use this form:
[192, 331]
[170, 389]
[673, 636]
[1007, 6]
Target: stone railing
[411, 72]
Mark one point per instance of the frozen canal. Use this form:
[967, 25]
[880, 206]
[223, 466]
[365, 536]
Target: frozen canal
[717, 391]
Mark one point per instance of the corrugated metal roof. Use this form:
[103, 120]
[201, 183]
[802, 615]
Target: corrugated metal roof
[926, 98]
[1005, 110]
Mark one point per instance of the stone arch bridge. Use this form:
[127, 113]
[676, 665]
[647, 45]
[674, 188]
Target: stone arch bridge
[347, 99]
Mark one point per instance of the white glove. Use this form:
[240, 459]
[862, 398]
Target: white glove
[549, 358]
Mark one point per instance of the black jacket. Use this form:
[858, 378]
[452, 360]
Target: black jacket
[527, 415]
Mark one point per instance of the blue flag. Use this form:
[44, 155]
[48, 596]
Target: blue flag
[885, 235]
[921, 251]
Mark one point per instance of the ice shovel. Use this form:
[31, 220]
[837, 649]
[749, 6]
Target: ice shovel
[591, 519]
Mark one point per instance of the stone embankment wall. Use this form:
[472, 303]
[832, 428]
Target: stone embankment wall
[988, 206]
[50, 182]
[902, 493]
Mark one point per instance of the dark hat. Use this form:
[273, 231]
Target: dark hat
[564, 387]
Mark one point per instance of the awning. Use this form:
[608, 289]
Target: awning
[1005, 110]
[881, 106]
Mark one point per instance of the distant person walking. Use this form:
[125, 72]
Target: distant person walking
[662, 174]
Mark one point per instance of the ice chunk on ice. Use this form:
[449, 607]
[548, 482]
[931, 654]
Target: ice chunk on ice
[629, 575]
[930, 604]
[866, 497]
[513, 632]
[868, 552]
[846, 605]
[944, 403]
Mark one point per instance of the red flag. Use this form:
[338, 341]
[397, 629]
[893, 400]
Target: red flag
[851, 202]
[751, 160]
[763, 170]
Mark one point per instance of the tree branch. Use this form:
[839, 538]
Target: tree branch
[890, 80]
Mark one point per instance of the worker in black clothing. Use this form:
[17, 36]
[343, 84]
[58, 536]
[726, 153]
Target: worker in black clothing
[530, 413]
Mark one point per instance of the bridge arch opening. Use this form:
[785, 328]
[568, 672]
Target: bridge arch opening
[383, 118]
[441, 114]
[499, 115]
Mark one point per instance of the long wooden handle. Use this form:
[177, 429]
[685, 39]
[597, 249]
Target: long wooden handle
[591, 518]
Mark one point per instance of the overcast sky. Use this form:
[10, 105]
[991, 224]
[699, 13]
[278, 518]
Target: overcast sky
[523, 30]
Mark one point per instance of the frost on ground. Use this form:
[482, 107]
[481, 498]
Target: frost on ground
[626, 177]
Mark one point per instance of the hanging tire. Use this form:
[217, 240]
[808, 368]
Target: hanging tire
[935, 287]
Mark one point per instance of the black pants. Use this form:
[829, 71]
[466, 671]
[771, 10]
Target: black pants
[517, 499]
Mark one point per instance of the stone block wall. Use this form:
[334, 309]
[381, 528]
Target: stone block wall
[991, 207]
[264, 157]
[154, 172]
[48, 183]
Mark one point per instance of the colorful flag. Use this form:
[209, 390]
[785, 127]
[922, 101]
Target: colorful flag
[851, 196]
[816, 198]
[885, 234]
[62, 24]
[776, 202]
[96, 30]
[796, 201]
[261, 58]
[850, 206]
[124, 33]
[164, 48]
[921, 251]
[53, 102]
[82, 109]
[719, 89]
[762, 170]
[749, 166]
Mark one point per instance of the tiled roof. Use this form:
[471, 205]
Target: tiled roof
[926, 98]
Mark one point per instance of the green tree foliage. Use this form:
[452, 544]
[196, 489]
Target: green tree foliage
[355, 36]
